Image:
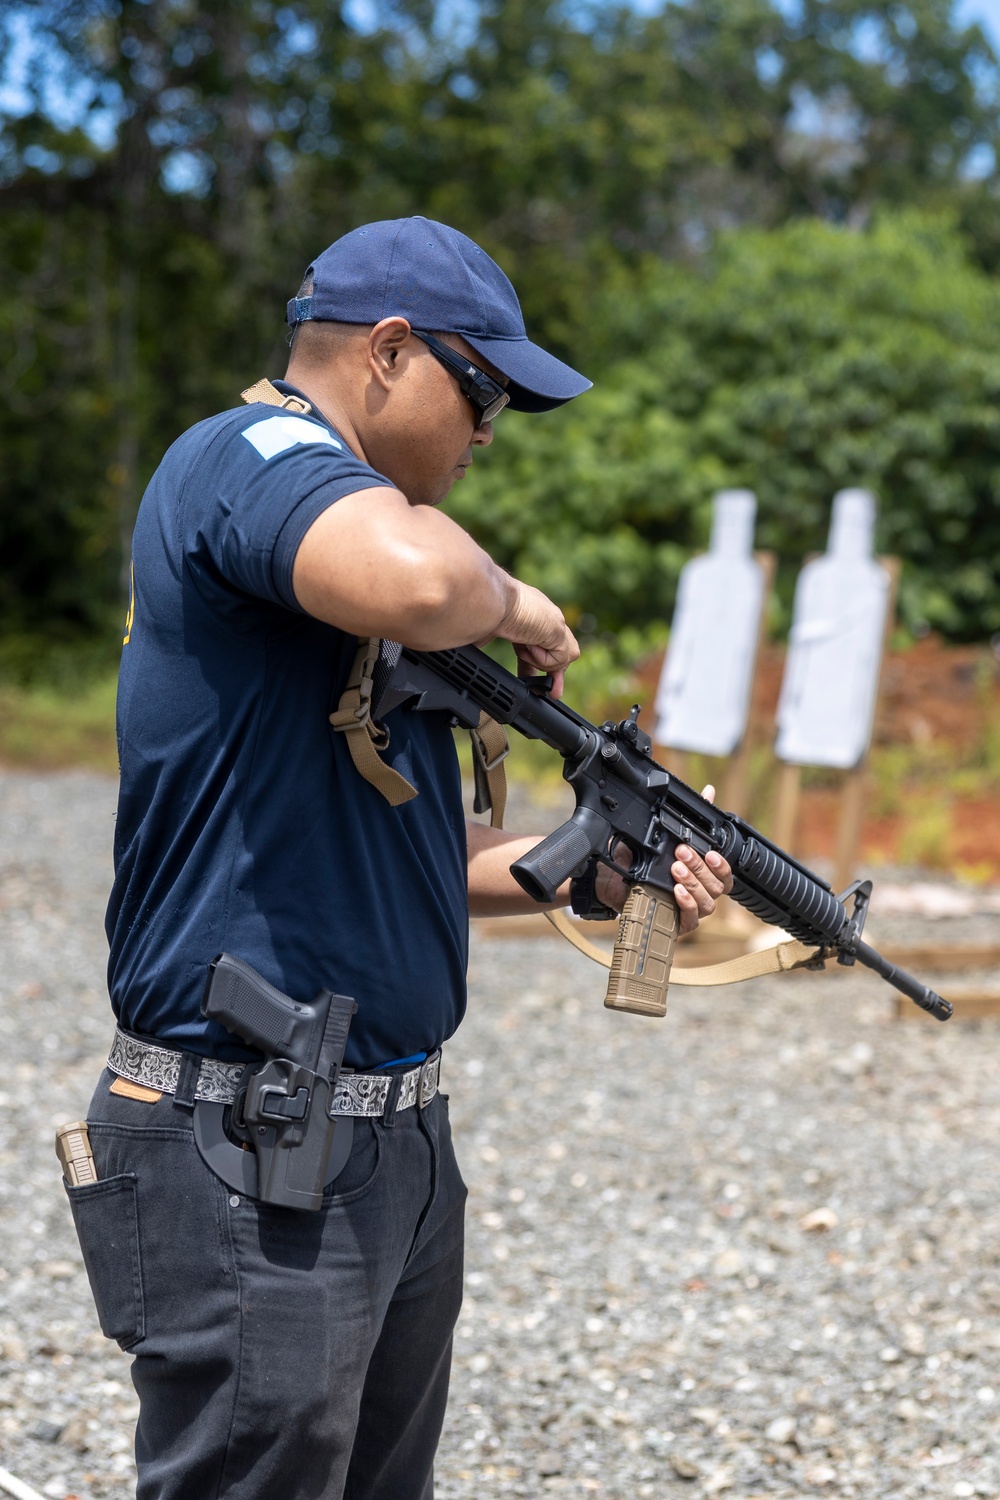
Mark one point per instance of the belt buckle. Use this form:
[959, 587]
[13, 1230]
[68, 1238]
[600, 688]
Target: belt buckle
[428, 1079]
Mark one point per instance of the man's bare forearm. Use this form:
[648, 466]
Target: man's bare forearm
[374, 565]
[493, 891]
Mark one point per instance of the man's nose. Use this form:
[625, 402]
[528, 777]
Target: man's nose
[483, 435]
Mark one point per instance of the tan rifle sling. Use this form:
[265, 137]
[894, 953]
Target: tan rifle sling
[269, 394]
[787, 955]
[366, 738]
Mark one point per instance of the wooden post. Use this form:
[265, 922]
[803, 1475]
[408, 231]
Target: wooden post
[734, 791]
[677, 762]
[854, 785]
[786, 806]
[849, 825]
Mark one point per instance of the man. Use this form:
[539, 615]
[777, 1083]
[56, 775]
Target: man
[278, 1353]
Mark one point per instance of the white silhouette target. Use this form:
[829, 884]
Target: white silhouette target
[828, 693]
[703, 697]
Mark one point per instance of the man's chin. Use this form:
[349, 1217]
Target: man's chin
[445, 490]
[429, 497]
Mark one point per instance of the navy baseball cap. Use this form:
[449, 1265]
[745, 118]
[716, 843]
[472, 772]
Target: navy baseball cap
[440, 281]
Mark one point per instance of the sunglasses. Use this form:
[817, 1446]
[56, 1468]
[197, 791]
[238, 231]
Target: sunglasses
[487, 395]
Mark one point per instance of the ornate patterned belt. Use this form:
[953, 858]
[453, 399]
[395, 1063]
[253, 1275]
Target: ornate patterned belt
[356, 1093]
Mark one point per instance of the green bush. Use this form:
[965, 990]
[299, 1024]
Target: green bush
[795, 361]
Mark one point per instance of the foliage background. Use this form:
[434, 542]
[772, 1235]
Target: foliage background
[771, 235]
[796, 361]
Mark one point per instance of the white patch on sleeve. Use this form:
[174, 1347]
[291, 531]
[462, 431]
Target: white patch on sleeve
[277, 434]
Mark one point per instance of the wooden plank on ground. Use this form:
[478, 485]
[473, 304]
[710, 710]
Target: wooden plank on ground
[709, 946]
[689, 954]
[971, 1004]
[942, 958]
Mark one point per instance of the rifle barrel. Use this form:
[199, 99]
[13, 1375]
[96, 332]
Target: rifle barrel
[928, 1000]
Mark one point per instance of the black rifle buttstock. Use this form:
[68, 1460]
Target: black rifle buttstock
[644, 952]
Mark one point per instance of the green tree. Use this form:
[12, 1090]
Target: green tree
[907, 94]
[148, 250]
[795, 361]
[172, 167]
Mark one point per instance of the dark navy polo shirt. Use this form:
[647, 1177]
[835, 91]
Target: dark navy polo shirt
[243, 825]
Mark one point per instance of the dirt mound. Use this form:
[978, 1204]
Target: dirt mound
[931, 693]
[934, 771]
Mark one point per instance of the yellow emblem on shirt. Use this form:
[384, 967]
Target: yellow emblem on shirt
[131, 604]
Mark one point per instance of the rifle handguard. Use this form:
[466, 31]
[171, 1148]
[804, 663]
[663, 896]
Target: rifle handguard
[644, 951]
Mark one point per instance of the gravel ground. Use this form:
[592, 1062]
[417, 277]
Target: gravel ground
[751, 1250]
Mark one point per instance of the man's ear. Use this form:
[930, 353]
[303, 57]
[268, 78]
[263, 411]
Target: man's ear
[387, 347]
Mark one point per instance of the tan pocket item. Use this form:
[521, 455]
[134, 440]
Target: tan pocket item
[129, 1090]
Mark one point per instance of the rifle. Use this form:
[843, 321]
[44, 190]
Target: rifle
[624, 797]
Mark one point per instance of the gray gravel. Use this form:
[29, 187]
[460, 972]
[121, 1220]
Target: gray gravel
[751, 1250]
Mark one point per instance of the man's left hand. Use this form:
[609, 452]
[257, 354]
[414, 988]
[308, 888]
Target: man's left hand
[699, 882]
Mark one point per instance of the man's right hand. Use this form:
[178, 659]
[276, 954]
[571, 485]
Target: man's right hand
[537, 630]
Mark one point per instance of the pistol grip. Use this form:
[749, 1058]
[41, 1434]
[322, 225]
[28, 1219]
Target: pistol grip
[644, 951]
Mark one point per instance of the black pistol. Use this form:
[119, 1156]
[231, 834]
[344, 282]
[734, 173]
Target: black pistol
[284, 1110]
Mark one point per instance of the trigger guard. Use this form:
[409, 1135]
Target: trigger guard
[608, 860]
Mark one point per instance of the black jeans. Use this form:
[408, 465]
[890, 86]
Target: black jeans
[279, 1355]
